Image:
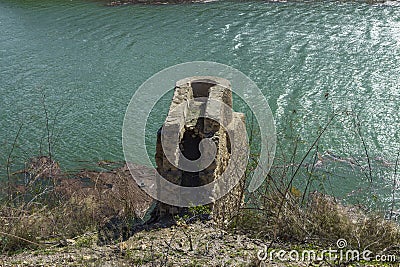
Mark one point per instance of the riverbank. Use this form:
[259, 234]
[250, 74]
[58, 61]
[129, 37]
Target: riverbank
[102, 218]
[195, 244]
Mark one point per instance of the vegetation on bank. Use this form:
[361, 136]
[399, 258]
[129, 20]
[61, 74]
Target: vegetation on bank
[90, 209]
[45, 210]
[59, 228]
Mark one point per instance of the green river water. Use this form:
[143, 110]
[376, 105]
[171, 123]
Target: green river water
[308, 59]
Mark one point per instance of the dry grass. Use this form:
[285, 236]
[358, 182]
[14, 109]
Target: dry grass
[321, 222]
[40, 214]
[90, 200]
[28, 227]
[278, 212]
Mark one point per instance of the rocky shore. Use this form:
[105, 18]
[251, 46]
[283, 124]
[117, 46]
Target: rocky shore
[201, 243]
[197, 244]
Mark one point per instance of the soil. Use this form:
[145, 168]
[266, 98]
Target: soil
[196, 244]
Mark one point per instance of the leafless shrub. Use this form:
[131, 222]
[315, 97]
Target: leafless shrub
[280, 212]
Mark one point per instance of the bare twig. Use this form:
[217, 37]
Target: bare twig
[21, 238]
[189, 238]
[309, 180]
[358, 128]
[168, 248]
[9, 160]
[47, 124]
[394, 185]
[296, 171]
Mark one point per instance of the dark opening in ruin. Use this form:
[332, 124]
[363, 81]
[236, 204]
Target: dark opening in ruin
[201, 88]
[190, 149]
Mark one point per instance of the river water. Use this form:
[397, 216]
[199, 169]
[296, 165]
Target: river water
[82, 61]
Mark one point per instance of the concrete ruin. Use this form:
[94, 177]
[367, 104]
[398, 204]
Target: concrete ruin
[191, 113]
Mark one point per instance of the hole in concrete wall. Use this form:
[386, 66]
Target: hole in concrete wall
[190, 149]
[190, 145]
[201, 89]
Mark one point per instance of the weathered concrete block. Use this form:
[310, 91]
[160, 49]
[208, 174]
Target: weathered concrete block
[201, 108]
